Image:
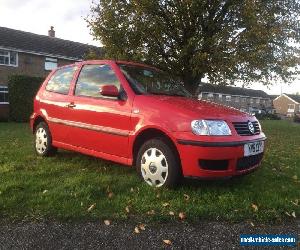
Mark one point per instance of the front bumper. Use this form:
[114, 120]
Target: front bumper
[216, 159]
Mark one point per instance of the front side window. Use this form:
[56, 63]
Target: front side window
[3, 95]
[9, 58]
[150, 81]
[92, 77]
[61, 80]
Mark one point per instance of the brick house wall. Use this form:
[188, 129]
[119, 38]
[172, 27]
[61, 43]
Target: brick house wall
[28, 64]
[286, 106]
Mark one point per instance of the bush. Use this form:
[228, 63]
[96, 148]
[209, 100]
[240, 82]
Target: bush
[22, 90]
[268, 117]
[296, 118]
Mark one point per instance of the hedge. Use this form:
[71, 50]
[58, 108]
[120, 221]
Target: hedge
[22, 90]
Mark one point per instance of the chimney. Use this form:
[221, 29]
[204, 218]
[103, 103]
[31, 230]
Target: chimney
[51, 32]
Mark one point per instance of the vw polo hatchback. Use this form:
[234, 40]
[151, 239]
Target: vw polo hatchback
[139, 116]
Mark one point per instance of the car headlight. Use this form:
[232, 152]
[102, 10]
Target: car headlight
[210, 127]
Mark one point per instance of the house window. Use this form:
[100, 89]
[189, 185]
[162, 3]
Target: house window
[50, 63]
[4, 95]
[243, 99]
[291, 107]
[9, 58]
[228, 98]
[210, 96]
[251, 100]
[237, 99]
[221, 97]
[257, 100]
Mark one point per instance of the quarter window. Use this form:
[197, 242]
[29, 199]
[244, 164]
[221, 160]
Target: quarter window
[9, 58]
[61, 80]
[92, 77]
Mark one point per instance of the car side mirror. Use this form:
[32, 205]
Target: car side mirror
[109, 90]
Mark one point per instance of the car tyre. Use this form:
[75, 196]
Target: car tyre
[43, 140]
[158, 163]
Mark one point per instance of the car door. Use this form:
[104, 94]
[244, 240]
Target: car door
[99, 123]
[54, 101]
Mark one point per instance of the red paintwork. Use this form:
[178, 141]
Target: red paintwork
[125, 120]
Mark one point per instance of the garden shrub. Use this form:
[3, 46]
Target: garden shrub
[22, 90]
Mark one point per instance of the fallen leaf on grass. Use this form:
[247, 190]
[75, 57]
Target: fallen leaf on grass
[131, 190]
[110, 195]
[127, 209]
[136, 230]
[167, 242]
[182, 215]
[296, 202]
[294, 214]
[166, 204]
[252, 224]
[45, 191]
[255, 207]
[151, 212]
[288, 214]
[186, 197]
[142, 227]
[107, 222]
[91, 207]
[81, 204]
[158, 196]
[171, 213]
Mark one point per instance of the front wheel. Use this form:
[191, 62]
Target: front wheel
[158, 164]
[43, 140]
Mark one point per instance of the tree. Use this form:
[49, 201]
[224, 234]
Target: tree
[223, 41]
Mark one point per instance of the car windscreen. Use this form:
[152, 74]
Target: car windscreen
[144, 80]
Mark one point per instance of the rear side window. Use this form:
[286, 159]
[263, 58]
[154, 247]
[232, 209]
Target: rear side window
[61, 80]
[92, 77]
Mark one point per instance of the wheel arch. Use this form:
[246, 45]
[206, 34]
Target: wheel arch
[148, 134]
[38, 120]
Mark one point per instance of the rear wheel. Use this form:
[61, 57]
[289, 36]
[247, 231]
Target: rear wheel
[43, 140]
[158, 164]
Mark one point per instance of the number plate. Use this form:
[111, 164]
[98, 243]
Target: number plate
[253, 148]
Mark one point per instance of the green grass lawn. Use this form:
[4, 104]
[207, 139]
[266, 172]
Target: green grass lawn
[65, 186]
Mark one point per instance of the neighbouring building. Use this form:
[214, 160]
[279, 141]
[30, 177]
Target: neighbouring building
[244, 99]
[34, 55]
[287, 105]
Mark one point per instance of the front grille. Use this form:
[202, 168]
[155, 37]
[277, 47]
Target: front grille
[248, 162]
[242, 128]
[217, 165]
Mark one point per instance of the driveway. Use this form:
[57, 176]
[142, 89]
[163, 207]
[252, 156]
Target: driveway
[203, 235]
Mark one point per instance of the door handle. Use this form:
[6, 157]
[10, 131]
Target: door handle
[71, 105]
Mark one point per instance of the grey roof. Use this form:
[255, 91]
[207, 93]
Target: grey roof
[294, 97]
[231, 90]
[30, 42]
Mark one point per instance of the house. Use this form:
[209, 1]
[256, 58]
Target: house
[287, 105]
[248, 100]
[34, 55]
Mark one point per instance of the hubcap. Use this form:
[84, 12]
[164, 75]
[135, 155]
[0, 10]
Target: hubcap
[41, 140]
[154, 167]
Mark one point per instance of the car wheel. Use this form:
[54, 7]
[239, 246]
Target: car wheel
[158, 164]
[43, 140]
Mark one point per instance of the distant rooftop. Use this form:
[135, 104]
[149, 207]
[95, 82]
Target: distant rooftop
[34, 43]
[232, 90]
[294, 97]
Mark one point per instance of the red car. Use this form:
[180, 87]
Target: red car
[139, 116]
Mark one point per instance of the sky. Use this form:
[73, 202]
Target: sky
[67, 17]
